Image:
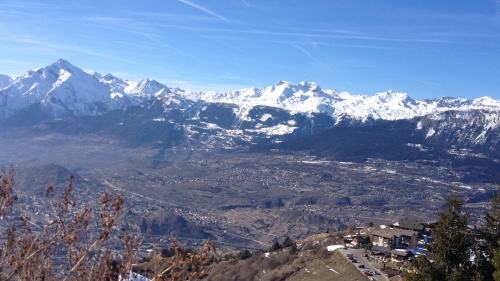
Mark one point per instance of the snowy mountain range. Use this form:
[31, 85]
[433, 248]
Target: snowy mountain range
[63, 90]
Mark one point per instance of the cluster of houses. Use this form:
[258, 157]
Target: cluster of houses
[397, 243]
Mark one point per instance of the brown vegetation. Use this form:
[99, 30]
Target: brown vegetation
[66, 248]
[296, 262]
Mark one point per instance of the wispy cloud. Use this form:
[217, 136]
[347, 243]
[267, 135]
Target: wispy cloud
[53, 46]
[171, 17]
[18, 62]
[203, 9]
[316, 34]
[166, 45]
[245, 2]
[230, 46]
[309, 55]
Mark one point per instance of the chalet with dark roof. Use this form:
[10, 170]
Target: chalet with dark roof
[395, 237]
[407, 224]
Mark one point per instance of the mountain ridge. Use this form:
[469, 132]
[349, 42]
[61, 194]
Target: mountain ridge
[271, 114]
[43, 85]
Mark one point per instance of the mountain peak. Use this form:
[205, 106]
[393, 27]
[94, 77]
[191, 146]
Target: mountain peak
[63, 64]
[109, 77]
[282, 82]
[309, 86]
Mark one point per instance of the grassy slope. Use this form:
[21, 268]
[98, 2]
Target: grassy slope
[311, 262]
[320, 270]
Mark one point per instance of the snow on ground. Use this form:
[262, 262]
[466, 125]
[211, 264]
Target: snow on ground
[280, 130]
[135, 277]
[334, 247]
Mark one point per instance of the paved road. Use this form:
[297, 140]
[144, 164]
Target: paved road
[358, 255]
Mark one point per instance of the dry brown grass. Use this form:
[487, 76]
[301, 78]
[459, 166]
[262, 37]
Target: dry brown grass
[282, 264]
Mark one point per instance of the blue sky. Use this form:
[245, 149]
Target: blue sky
[427, 49]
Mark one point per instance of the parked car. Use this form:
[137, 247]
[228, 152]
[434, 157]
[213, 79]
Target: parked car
[354, 261]
[361, 266]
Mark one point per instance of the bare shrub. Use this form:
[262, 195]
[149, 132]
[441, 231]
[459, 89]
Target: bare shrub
[271, 263]
[248, 271]
[65, 248]
[184, 264]
[285, 258]
[31, 255]
[323, 253]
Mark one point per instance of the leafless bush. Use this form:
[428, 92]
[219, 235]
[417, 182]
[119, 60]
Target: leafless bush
[323, 253]
[65, 248]
[271, 263]
[284, 258]
[31, 255]
[249, 271]
[183, 265]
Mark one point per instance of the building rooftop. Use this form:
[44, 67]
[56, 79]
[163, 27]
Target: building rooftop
[388, 233]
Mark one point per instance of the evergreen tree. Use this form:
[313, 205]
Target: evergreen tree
[487, 254]
[490, 267]
[369, 244]
[425, 271]
[451, 239]
[495, 262]
[491, 229]
[275, 246]
[287, 242]
[452, 246]
[245, 254]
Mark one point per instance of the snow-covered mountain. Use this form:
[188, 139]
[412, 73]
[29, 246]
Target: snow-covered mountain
[307, 97]
[72, 91]
[275, 112]
[5, 81]
[61, 90]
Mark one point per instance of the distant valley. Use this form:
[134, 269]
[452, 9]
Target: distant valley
[247, 167]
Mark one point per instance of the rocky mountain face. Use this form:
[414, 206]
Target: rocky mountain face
[266, 115]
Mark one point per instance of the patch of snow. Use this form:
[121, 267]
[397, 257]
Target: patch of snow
[430, 132]
[134, 277]
[316, 162]
[265, 117]
[334, 247]
[279, 129]
[332, 269]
